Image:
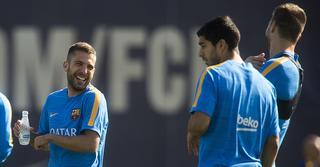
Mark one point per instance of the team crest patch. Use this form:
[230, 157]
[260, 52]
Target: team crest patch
[75, 114]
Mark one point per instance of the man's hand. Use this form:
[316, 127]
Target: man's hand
[312, 149]
[193, 144]
[256, 61]
[42, 142]
[17, 127]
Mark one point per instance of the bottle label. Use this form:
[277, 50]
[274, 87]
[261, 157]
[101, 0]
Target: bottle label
[26, 136]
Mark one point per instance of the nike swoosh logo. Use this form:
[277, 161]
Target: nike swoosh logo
[53, 114]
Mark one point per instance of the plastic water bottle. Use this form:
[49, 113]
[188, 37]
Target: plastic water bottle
[24, 136]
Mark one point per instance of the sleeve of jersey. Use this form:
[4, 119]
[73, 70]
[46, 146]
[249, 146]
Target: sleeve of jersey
[206, 95]
[5, 130]
[274, 123]
[44, 122]
[95, 114]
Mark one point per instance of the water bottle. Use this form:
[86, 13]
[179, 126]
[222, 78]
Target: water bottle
[24, 136]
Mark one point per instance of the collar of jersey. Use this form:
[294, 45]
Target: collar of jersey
[72, 97]
[291, 54]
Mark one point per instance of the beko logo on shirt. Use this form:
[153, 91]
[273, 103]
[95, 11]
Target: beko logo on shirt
[64, 131]
[248, 122]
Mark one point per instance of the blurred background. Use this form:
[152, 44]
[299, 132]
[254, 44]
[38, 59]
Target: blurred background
[147, 67]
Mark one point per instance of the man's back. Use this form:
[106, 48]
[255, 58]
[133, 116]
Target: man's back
[242, 108]
[284, 75]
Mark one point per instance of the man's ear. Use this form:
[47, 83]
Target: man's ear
[65, 65]
[273, 26]
[222, 46]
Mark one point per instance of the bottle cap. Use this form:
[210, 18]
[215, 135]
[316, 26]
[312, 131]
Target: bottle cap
[25, 113]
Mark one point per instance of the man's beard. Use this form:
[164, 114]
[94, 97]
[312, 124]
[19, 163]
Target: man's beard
[214, 60]
[77, 87]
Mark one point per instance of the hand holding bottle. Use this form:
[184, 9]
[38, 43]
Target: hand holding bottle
[22, 129]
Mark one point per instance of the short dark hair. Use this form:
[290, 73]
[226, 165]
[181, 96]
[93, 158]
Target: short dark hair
[221, 28]
[80, 46]
[290, 20]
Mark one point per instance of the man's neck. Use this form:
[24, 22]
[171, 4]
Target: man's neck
[72, 92]
[235, 55]
[281, 45]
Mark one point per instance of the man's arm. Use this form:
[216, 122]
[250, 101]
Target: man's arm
[197, 126]
[88, 141]
[270, 151]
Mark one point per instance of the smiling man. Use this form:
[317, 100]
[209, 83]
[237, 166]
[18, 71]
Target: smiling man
[74, 120]
[234, 119]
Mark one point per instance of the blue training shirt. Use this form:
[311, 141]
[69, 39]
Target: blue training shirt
[5, 128]
[242, 106]
[284, 75]
[70, 116]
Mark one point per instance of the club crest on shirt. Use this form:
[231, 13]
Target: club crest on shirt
[75, 114]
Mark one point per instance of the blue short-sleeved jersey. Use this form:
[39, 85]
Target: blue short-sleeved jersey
[70, 116]
[242, 106]
[5, 128]
[284, 75]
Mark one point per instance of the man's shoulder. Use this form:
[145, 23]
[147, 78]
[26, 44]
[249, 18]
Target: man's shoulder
[275, 64]
[216, 67]
[4, 102]
[213, 70]
[93, 92]
[96, 97]
[279, 68]
[58, 93]
[281, 61]
[3, 97]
